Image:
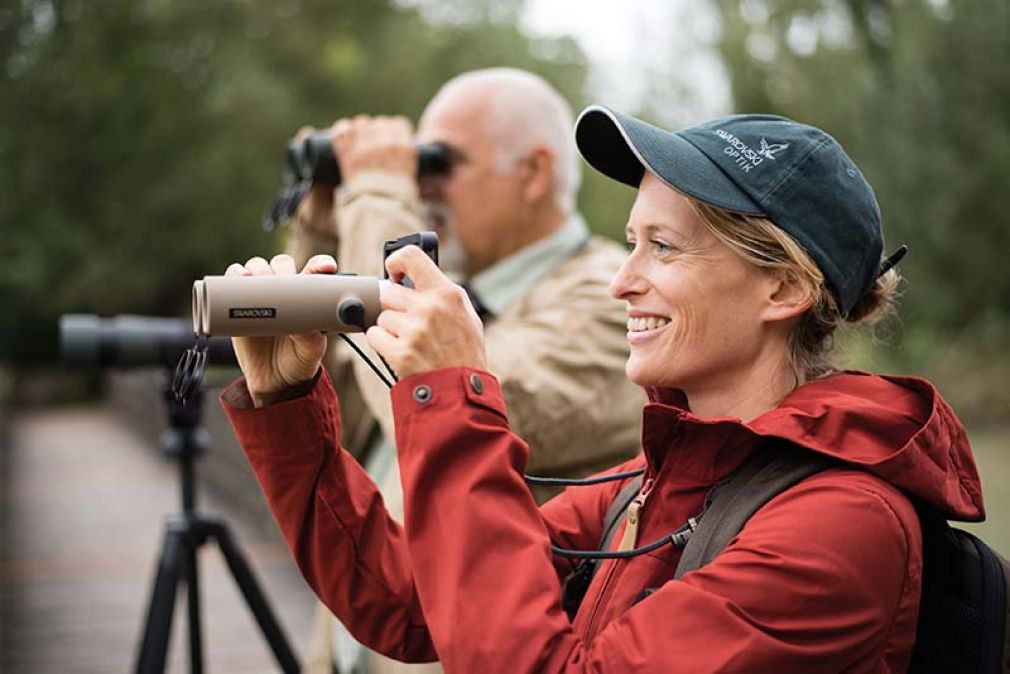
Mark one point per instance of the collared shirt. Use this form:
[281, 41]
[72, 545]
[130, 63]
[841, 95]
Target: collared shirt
[508, 279]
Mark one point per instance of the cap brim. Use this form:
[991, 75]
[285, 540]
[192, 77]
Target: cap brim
[622, 148]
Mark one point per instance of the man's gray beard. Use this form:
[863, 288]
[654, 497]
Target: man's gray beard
[451, 256]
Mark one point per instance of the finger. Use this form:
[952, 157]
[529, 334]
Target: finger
[411, 261]
[380, 128]
[385, 344]
[282, 264]
[304, 132]
[257, 266]
[395, 323]
[320, 264]
[396, 297]
[342, 132]
[402, 128]
[235, 269]
[309, 346]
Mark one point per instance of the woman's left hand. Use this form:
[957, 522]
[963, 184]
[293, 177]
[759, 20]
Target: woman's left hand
[427, 327]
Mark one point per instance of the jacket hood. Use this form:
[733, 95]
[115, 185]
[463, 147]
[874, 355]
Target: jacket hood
[898, 428]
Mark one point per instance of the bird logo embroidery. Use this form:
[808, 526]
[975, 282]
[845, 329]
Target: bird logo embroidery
[770, 150]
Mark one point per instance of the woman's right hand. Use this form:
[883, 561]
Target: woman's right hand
[274, 367]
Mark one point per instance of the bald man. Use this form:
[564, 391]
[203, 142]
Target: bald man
[510, 233]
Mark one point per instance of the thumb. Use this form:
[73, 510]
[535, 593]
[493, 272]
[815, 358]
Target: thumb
[411, 261]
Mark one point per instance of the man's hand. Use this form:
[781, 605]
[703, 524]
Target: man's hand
[315, 212]
[275, 365]
[428, 327]
[374, 144]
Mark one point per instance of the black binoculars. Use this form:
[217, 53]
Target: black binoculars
[312, 159]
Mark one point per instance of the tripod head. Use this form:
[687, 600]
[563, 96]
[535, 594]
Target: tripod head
[185, 439]
[185, 435]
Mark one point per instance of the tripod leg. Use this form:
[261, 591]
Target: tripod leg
[193, 590]
[254, 597]
[158, 629]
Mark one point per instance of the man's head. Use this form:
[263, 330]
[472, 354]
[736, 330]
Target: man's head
[516, 172]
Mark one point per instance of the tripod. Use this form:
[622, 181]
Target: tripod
[185, 533]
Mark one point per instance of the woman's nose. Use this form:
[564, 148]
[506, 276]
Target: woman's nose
[628, 281]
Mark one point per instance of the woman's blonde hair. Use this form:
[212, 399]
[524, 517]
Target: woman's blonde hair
[760, 242]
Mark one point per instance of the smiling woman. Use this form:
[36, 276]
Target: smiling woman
[757, 286]
[751, 238]
[698, 319]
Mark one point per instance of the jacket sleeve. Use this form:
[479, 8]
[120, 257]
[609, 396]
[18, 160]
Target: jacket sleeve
[351, 552]
[802, 591]
[348, 548]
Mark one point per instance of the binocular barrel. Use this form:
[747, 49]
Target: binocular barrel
[253, 306]
[125, 341]
[312, 159]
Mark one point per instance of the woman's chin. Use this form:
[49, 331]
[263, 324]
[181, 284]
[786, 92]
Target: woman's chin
[639, 372]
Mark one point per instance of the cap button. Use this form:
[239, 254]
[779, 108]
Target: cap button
[476, 384]
[422, 394]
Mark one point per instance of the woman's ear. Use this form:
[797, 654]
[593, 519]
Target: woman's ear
[788, 297]
[538, 174]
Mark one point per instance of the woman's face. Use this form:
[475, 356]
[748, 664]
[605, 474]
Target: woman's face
[694, 306]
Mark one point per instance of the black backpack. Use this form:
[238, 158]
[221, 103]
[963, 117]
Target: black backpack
[964, 611]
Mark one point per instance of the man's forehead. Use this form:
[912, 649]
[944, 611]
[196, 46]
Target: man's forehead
[454, 114]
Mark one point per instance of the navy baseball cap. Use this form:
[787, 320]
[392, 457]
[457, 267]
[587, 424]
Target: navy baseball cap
[795, 175]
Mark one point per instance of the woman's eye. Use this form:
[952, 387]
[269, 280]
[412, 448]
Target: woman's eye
[662, 247]
[630, 245]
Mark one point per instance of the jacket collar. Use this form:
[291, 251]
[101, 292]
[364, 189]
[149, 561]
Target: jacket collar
[687, 448]
[898, 428]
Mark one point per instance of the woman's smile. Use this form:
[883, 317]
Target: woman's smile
[643, 328]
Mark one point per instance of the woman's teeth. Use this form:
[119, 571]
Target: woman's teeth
[643, 324]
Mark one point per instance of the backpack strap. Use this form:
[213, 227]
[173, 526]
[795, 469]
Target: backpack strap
[765, 475]
[617, 507]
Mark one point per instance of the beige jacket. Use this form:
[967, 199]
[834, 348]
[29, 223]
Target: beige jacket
[559, 351]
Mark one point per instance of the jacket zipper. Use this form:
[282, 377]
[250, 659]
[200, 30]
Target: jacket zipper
[634, 515]
[634, 509]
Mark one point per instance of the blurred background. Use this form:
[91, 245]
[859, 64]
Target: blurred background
[142, 140]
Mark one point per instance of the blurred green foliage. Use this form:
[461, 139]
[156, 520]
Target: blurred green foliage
[918, 92]
[142, 140]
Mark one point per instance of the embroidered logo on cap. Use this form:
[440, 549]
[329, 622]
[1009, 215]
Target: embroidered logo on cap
[770, 150]
[743, 155]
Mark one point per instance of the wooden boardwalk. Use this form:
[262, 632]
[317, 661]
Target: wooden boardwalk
[83, 501]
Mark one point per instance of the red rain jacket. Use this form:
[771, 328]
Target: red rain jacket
[824, 578]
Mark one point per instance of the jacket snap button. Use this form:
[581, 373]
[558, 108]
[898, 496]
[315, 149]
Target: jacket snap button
[422, 394]
[476, 384]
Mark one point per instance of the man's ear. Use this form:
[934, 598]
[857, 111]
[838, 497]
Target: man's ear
[537, 174]
[788, 296]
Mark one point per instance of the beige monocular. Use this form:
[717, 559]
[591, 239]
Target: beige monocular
[252, 306]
